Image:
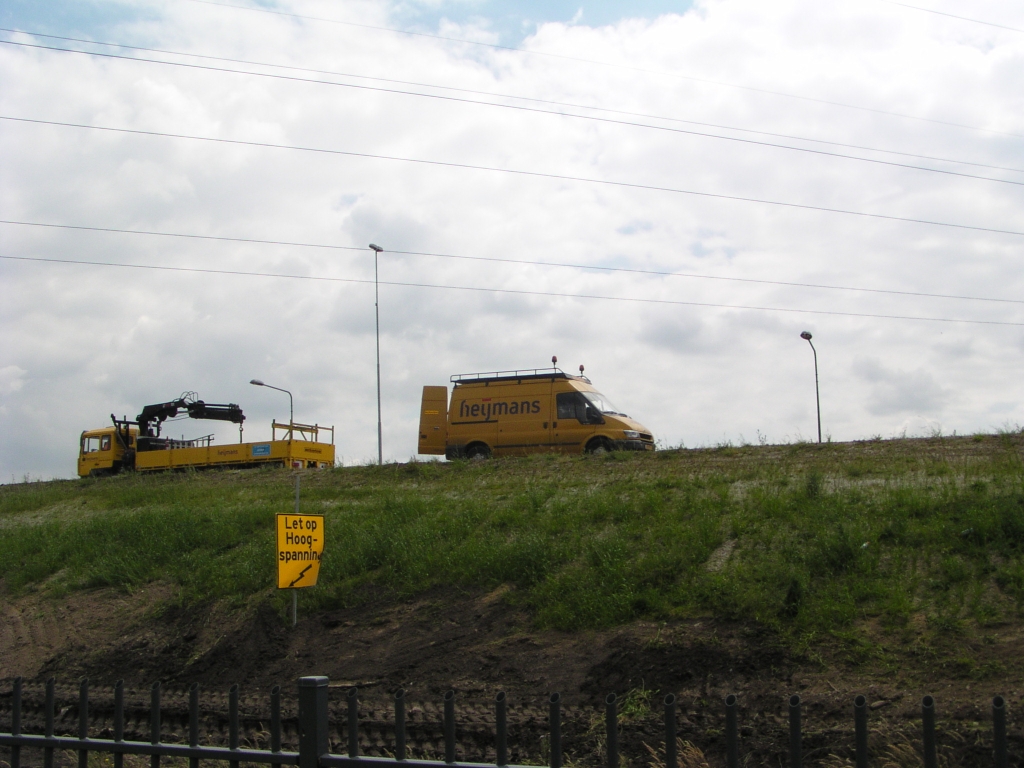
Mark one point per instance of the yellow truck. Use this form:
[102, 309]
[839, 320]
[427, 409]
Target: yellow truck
[138, 445]
[507, 413]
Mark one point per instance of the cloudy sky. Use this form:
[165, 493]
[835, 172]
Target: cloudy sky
[666, 192]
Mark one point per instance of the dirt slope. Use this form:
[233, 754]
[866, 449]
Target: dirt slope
[476, 644]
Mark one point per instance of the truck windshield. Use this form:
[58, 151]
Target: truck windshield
[602, 403]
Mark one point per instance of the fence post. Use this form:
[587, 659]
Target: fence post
[48, 752]
[400, 724]
[555, 724]
[16, 722]
[118, 721]
[83, 720]
[154, 722]
[611, 724]
[732, 737]
[999, 731]
[352, 701]
[860, 725]
[501, 728]
[796, 759]
[233, 721]
[671, 758]
[275, 719]
[313, 737]
[449, 727]
[193, 722]
[928, 725]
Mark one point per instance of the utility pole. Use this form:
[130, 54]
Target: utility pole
[376, 311]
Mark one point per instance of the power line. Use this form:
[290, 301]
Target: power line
[551, 102]
[513, 291]
[953, 16]
[598, 63]
[519, 108]
[183, 235]
[519, 172]
[526, 262]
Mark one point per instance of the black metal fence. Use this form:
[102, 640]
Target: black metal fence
[314, 743]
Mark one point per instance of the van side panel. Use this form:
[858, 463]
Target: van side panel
[472, 418]
[433, 420]
[524, 418]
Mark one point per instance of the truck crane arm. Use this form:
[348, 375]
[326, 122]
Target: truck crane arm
[152, 417]
[216, 411]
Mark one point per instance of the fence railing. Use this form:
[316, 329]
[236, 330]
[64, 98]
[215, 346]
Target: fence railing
[314, 741]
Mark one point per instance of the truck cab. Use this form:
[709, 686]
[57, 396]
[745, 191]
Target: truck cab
[507, 413]
[100, 452]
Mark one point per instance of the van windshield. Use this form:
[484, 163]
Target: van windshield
[602, 403]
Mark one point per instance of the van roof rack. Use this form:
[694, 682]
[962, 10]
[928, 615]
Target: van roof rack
[526, 373]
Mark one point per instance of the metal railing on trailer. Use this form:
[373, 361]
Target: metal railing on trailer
[314, 737]
[308, 432]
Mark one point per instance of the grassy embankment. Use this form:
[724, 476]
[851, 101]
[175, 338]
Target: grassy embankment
[817, 542]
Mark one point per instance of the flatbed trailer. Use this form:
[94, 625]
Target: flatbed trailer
[112, 449]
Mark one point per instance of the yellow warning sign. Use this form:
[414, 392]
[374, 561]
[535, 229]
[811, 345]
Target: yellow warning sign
[300, 545]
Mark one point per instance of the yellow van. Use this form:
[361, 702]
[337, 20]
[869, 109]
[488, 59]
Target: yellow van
[512, 413]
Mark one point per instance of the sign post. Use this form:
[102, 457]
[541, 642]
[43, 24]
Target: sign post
[300, 546]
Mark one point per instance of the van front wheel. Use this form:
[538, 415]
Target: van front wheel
[598, 446]
[478, 452]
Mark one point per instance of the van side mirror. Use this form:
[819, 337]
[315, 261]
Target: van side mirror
[592, 415]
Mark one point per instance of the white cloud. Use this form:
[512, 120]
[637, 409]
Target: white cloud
[896, 391]
[12, 378]
[88, 341]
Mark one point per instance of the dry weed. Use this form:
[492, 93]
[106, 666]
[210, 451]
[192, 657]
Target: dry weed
[902, 754]
[687, 755]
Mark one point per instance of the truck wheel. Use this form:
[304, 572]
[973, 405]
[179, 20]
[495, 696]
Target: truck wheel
[598, 446]
[478, 452]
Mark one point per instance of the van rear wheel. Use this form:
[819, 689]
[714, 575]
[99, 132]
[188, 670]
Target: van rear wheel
[478, 452]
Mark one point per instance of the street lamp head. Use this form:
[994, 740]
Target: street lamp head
[806, 335]
[257, 382]
[376, 248]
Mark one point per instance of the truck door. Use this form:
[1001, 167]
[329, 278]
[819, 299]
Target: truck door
[573, 426]
[433, 420]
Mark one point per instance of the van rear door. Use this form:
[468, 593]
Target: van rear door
[433, 420]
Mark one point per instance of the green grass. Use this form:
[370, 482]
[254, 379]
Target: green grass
[825, 536]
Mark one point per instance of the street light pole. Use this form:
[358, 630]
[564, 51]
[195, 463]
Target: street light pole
[376, 311]
[291, 402]
[817, 397]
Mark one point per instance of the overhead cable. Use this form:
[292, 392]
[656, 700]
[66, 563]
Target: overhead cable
[954, 16]
[520, 108]
[537, 110]
[511, 291]
[526, 262]
[514, 97]
[519, 172]
[530, 52]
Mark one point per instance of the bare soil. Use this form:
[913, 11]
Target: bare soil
[478, 644]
